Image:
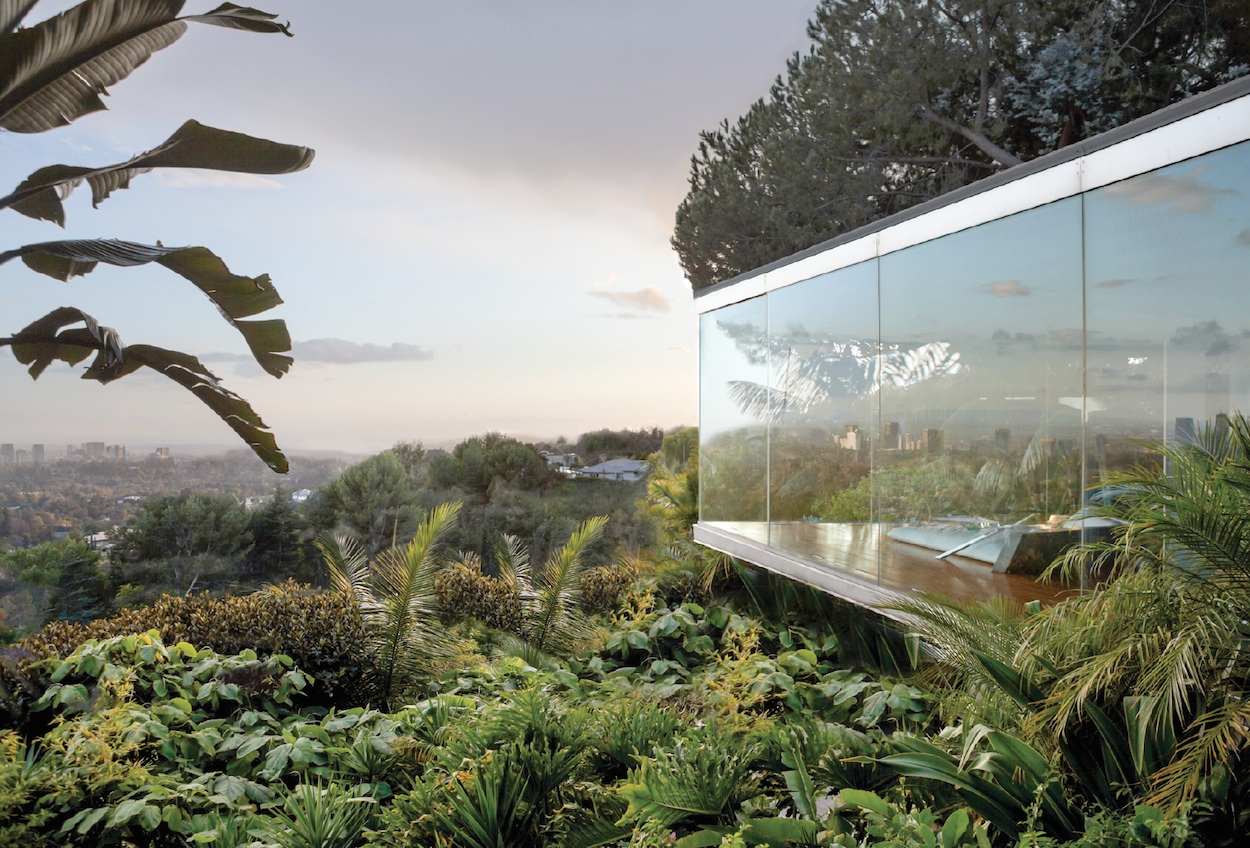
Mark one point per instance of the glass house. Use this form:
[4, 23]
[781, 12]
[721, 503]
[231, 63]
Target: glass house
[926, 403]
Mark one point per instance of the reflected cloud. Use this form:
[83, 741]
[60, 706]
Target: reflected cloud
[1208, 336]
[1006, 342]
[1006, 288]
[1182, 194]
[1202, 384]
[1115, 284]
[1243, 238]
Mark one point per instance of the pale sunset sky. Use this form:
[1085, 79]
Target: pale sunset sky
[480, 244]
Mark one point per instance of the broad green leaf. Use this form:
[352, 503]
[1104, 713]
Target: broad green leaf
[150, 816]
[88, 821]
[776, 831]
[56, 71]
[867, 800]
[126, 810]
[194, 145]
[987, 799]
[708, 837]
[1020, 688]
[954, 829]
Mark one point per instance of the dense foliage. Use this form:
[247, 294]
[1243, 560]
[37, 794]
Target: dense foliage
[768, 715]
[323, 632]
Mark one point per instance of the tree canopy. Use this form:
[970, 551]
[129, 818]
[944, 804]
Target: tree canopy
[898, 101]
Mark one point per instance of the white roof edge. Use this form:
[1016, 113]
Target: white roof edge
[1218, 126]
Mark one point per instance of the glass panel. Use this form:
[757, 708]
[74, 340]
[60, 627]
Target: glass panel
[981, 378]
[1168, 304]
[823, 343]
[733, 418]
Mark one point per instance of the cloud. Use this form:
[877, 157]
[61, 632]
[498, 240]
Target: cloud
[1184, 193]
[1243, 238]
[344, 352]
[215, 179]
[648, 299]
[1206, 335]
[1115, 283]
[1006, 288]
[1006, 341]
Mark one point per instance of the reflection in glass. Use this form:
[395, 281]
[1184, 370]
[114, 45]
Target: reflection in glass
[970, 379]
[994, 433]
[1168, 304]
[824, 377]
[733, 444]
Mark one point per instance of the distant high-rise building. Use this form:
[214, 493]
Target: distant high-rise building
[1221, 425]
[6, 454]
[931, 440]
[36, 454]
[850, 441]
[1186, 430]
[892, 435]
[117, 452]
[21, 457]
[93, 450]
[1002, 439]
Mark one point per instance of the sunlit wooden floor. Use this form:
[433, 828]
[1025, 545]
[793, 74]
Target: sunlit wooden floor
[865, 551]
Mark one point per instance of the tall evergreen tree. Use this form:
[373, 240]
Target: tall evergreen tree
[898, 101]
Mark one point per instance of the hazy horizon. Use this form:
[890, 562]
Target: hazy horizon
[481, 243]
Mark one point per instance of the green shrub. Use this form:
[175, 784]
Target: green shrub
[463, 591]
[321, 631]
[603, 587]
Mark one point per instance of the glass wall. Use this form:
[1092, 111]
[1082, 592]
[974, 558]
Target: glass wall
[1168, 293]
[823, 339]
[733, 417]
[981, 362]
[989, 377]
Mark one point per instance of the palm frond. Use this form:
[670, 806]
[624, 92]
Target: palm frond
[1215, 738]
[348, 564]
[513, 561]
[958, 635]
[403, 607]
[554, 619]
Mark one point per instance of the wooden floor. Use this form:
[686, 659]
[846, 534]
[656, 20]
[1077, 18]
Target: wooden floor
[865, 551]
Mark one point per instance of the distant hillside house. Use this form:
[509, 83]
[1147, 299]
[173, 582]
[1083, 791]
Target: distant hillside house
[559, 460]
[625, 470]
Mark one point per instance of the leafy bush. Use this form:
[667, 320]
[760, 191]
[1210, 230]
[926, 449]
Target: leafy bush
[465, 592]
[605, 586]
[321, 631]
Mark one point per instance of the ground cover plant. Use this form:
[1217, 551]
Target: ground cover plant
[749, 719]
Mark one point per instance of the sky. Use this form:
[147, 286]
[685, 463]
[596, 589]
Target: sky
[480, 244]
